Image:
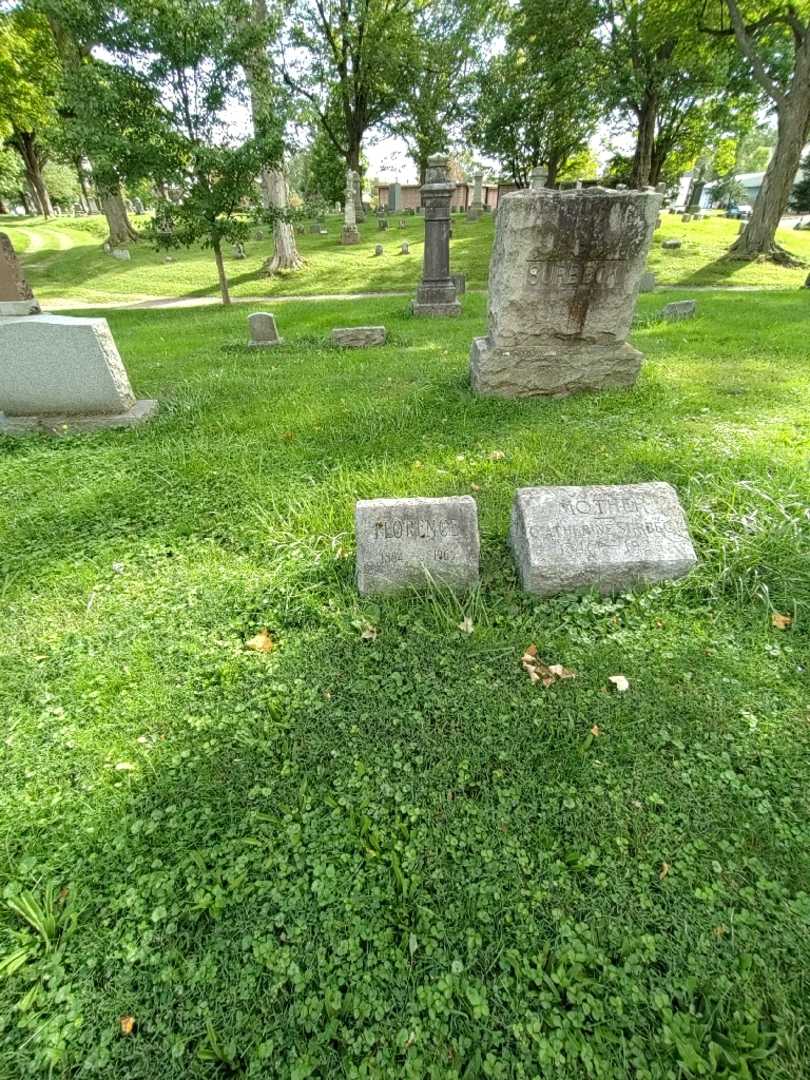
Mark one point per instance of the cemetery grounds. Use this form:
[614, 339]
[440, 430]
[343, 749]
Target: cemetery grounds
[368, 845]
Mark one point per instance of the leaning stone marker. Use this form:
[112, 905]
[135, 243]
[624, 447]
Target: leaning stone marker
[16, 297]
[57, 371]
[679, 309]
[563, 280]
[263, 330]
[606, 538]
[357, 337]
[405, 543]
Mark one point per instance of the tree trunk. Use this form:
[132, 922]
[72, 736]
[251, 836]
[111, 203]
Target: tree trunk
[26, 144]
[3, 207]
[84, 199]
[758, 237]
[25, 201]
[645, 142]
[223, 280]
[353, 162]
[285, 252]
[114, 210]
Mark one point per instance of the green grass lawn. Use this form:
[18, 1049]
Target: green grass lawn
[64, 260]
[378, 850]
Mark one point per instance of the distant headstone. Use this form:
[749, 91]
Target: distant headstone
[382, 221]
[647, 282]
[436, 295]
[404, 248]
[671, 245]
[477, 207]
[239, 251]
[460, 282]
[403, 224]
[679, 309]
[121, 253]
[323, 231]
[395, 198]
[407, 543]
[138, 206]
[314, 228]
[60, 371]
[605, 538]
[16, 297]
[686, 217]
[349, 233]
[537, 178]
[378, 249]
[563, 280]
[358, 337]
[263, 330]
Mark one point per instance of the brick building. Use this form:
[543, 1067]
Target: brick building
[461, 199]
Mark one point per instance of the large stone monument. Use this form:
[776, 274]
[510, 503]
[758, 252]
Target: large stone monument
[405, 543]
[563, 280]
[16, 297]
[395, 198]
[60, 373]
[476, 209]
[359, 212]
[436, 294]
[349, 233]
[604, 538]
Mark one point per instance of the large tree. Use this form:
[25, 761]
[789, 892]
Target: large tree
[672, 80]
[29, 77]
[349, 60]
[773, 37]
[539, 101]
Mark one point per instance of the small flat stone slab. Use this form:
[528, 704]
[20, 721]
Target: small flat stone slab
[608, 538]
[358, 337]
[121, 253]
[409, 543]
[263, 330]
[671, 245]
[679, 309]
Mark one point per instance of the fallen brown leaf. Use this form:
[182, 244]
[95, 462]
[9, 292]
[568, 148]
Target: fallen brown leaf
[497, 455]
[127, 1024]
[781, 622]
[541, 672]
[664, 870]
[620, 682]
[466, 625]
[261, 642]
[596, 731]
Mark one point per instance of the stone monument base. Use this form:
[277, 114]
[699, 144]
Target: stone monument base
[475, 213]
[529, 371]
[140, 412]
[436, 310]
[349, 235]
[11, 308]
[436, 300]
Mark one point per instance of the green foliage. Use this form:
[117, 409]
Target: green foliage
[29, 73]
[323, 174]
[398, 858]
[62, 183]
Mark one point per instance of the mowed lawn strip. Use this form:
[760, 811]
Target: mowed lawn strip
[64, 259]
[377, 849]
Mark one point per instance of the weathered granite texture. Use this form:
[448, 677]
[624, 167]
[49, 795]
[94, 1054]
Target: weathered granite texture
[647, 282]
[436, 295]
[563, 280]
[407, 543]
[679, 309]
[58, 366]
[349, 233]
[670, 245]
[358, 337]
[16, 297]
[263, 330]
[606, 538]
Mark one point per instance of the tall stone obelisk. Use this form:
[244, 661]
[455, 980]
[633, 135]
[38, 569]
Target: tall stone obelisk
[436, 296]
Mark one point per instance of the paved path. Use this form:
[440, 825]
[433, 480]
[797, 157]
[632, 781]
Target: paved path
[156, 302]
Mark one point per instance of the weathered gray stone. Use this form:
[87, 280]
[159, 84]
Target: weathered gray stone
[647, 282]
[378, 249]
[263, 330]
[671, 245]
[407, 543]
[404, 248]
[563, 281]
[605, 538]
[686, 218]
[349, 233]
[460, 282]
[382, 222]
[121, 253]
[679, 309]
[16, 297]
[55, 366]
[436, 295]
[476, 209]
[395, 198]
[358, 337]
[239, 251]
[537, 178]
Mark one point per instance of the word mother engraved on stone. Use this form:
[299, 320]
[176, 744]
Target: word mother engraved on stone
[607, 538]
[402, 543]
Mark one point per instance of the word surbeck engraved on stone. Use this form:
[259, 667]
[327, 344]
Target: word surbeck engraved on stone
[405, 543]
[607, 538]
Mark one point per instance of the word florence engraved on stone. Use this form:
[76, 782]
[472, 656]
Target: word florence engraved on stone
[402, 543]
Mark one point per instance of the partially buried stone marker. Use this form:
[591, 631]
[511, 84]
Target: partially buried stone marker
[263, 330]
[357, 337]
[679, 309]
[57, 371]
[16, 297]
[606, 538]
[405, 543]
[671, 245]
